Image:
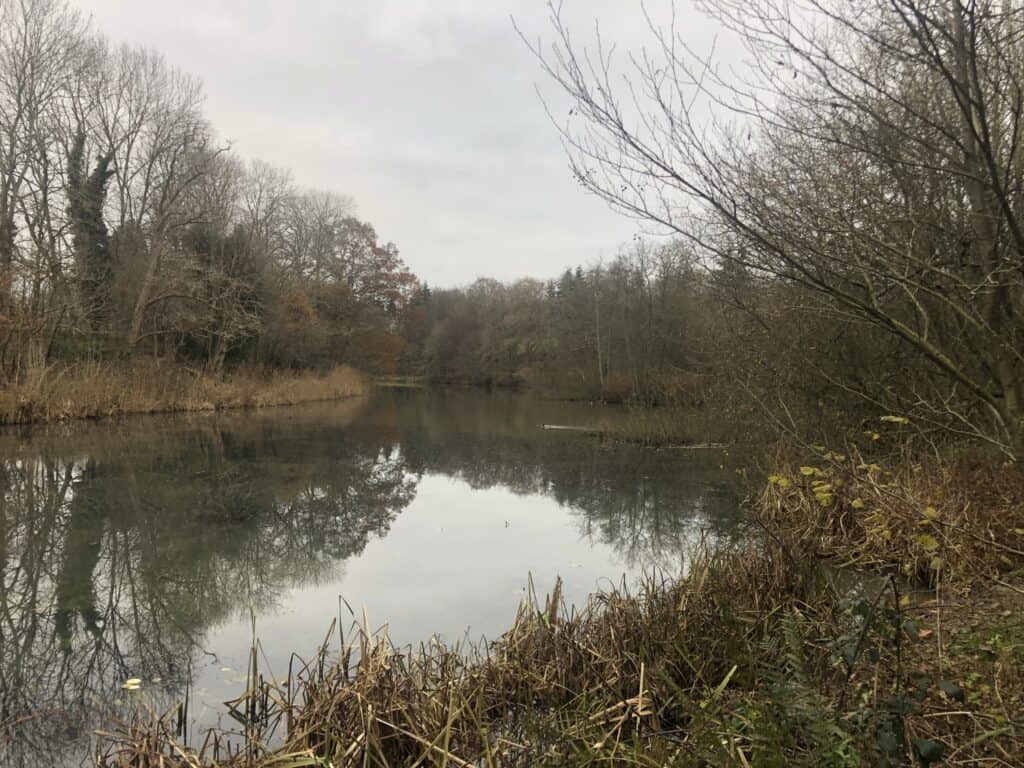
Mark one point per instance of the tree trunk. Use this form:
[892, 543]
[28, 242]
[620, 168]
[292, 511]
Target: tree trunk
[6, 263]
[597, 337]
[145, 294]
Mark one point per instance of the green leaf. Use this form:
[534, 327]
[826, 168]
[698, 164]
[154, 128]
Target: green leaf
[929, 751]
[887, 742]
[725, 681]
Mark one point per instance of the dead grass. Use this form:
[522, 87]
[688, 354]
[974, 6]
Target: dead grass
[755, 658]
[95, 391]
[560, 686]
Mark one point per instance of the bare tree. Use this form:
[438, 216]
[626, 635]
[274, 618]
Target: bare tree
[42, 48]
[870, 156]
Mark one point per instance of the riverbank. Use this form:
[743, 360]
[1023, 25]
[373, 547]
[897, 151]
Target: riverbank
[763, 654]
[97, 391]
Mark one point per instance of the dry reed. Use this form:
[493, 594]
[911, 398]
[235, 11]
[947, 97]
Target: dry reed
[95, 391]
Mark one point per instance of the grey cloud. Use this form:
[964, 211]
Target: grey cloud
[423, 111]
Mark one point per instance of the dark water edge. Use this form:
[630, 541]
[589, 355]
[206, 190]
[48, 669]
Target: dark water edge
[141, 548]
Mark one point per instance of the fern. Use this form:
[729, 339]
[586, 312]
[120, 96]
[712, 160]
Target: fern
[809, 728]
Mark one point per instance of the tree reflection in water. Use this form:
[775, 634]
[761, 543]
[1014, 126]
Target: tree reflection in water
[122, 545]
[649, 505]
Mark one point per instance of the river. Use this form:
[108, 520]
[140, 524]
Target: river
[147, 547]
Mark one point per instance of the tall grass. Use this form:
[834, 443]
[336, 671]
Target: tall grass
[756, 657]
[98, 390]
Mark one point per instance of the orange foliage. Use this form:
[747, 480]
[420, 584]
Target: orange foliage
[297, 311]
[377, 351]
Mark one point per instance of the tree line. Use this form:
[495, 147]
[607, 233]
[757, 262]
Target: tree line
[658, 326]
[128, 227]
[625, 330]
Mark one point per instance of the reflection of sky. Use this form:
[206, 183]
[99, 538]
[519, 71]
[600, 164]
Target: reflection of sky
[456, 561]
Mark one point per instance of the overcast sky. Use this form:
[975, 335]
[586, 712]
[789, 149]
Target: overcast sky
[423, 111]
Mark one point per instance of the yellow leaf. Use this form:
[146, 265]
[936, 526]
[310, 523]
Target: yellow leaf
[778, 480]
[857, 504]
[895, 419]
[904, 601]
[808, 471]
[931, 513]
[936, 563]
[929, 542]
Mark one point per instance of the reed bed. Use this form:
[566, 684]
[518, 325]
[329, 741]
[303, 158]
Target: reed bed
[95, 390]
[756, 657]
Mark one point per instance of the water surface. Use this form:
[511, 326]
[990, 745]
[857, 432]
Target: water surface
[144, 547]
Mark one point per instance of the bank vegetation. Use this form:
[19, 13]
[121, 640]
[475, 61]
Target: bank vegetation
[97, 391]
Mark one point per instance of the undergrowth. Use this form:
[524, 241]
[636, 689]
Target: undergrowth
[929, 521]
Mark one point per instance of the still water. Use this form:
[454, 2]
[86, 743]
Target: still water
[144, 547]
